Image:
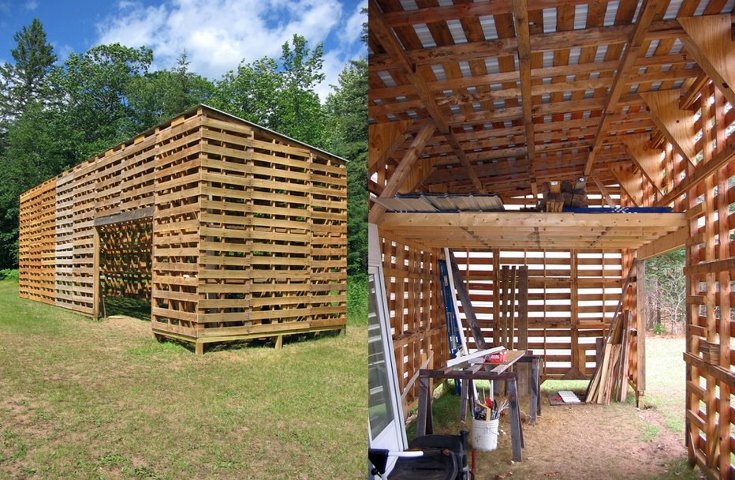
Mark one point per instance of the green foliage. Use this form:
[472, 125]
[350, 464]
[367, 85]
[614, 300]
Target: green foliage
[279, 94]
[346, 110]
[659, 329]
[9, 274]
[357, 300]
[665, 290]
[157, 96]
[26, 80]
[55, 116]
[96, 86]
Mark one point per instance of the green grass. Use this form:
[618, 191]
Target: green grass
[102, 399]
[357, 300]
[665, 380]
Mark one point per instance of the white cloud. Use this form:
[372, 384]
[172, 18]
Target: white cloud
[218, 34]
[31, 5]
[353, 26]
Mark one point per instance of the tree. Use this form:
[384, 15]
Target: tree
[347, 127]
[39, 146]
[251, 92]
[26, 80]
[96, 86]
[157, 96]
[666, 290]
[279, 95]
[299, 112]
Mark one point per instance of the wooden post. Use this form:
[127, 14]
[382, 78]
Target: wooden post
[279, 342]
[464, 297]
[96, 273]
[423, 420]
[515, 420]
[535, 406]
[641, 317]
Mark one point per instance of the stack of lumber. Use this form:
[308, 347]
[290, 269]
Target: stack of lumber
[557, 195]
[610, 379]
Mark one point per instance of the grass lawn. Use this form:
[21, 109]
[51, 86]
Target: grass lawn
[87, 399]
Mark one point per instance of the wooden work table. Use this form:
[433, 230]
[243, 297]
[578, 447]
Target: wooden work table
[484, 371]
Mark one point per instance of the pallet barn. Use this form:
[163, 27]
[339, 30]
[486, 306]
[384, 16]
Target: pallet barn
[230, 230]
[630, 100]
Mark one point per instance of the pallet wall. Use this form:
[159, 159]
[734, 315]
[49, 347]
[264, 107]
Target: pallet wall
[231, 230]
[416, 312]
[37, 243]
[571, 300]
[709, 266]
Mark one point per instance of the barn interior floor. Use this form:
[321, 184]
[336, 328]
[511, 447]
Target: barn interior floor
[618, 441]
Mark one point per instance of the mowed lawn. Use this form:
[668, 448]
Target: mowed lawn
[101, 399]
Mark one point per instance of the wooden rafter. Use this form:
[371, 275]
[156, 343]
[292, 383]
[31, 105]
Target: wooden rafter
[391, 45]
[403, 170]
[384, 140]
[649, 11]
[709, 40]
[603, 191]
[646, 159]
[520, 20]
[676, 124]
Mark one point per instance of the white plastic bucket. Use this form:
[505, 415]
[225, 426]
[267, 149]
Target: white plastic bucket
[485, 435]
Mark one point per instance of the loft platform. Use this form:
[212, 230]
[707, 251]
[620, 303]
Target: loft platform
[524, 230]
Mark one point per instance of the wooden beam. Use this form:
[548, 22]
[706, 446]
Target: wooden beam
[132, 215]
[533, 220]
[667, 243]
[627, 180]
[709, 40]
[603, 190]
[520, 20]
[384, 140]
[649, 10]
[393, 47]
[647, 160]
[676, 124]
[403, 169]
[701, 172]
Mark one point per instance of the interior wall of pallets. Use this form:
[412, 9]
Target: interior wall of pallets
[416, 311]
[571, 300]
[37, 243]
[710, 256]
[126, 259]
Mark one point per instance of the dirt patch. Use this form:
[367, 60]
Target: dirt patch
[587, 441]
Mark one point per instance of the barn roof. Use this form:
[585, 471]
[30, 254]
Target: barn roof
[519, 92]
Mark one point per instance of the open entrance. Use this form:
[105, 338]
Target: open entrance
[125, 266]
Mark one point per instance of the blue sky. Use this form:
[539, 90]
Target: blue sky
[216, 34]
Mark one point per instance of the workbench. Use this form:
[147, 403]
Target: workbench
[484, 371]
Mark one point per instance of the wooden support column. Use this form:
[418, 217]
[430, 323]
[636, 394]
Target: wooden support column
[96, 273]
[724, 291]
[641, 317]
[709, 40]
[403, 169]
[676, 124]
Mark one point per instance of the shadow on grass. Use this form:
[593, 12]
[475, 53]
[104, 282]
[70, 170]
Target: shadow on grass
[130, 307]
